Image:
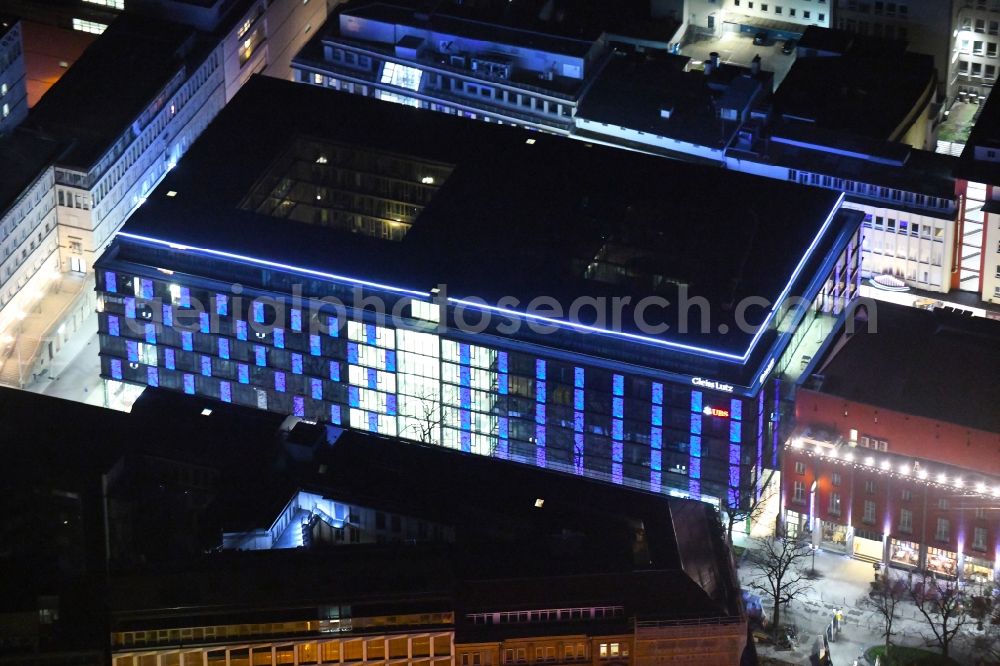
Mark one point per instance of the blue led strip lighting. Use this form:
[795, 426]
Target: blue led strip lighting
[273, 264]
[503, 444]
[578, 420]
[656, 438]
[617, 427]
[540, 396]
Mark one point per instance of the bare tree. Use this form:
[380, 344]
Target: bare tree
[779, 574]
[986, 614]
[426, 424]
[749, 508]
[944, 609]
[888, 592]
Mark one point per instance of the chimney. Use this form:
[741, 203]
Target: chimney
[755, 65]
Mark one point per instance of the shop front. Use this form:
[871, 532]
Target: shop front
[796, 524]
[904, 553]
[834, 536]
[942, 562]
[977, 571]
[868, 545]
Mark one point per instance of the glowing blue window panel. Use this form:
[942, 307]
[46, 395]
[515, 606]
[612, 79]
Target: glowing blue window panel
[734, 454]
[616, 473]
[353, 396]
[153, 376]
[540, 435]
[390, 404]
[221, 305]
[257, 308]
[540, 414]
[296, 364]
[465, 419]
[617, 451]
[260, 355]
[279, 338]
[578, 421]
[502, 385]
[696, 401]
[578, 453]
[187, 340]
[694, 468]
[466, 439]
[502, 361]
[694, 488]
[617, 429]
[334, 371]
[464, 354]
[656, 438]
[539, 369]
[224, 348]
[299, 405]
[114, 328]
[578, 378]
[695, 446]
[279, 381]
[540, 391]
[150, 333]
[657, 393]
[315, 346]
[503, 446]
[296, 319]
[111, 282]
[735, 431]
[502, 427]
[241, 330]
[130, 307]
[185, 297]
[146, 288]
[618, 407]
[206, 366]
[618, 385]
[734, 496]
[696, 424]
[736, 409]
[371, 378]
[465, 397]
[316, 389]
[655, 480]
[169, 359]
[540, 451]
[244, 373]
[465, 376]
[390, 361]
[578, 399]
[189, 383]
[168, 315]
[332, 327]
[657, 416]
[352, 352]
[335, 414]
[226, 391]
[203, 322]
[371, 336]
[116, 368]
[132, 350]
[656, 460]
[373, 422]
[734, 476]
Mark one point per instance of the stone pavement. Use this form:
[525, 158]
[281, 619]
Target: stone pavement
[843, 582]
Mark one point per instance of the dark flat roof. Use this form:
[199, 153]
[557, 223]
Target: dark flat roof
[513, 218]
[869, 95]
[111, 84]
[931, 363]
[985, 133]
[23, 157]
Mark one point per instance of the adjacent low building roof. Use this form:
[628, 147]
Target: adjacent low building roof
[931, 363]
[985, 135]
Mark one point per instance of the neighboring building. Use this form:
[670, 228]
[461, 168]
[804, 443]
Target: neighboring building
[693, 413]
[784, 19]
[168, 81]
[13, 81]
[523, 574]
[893, 458]
[978, 177]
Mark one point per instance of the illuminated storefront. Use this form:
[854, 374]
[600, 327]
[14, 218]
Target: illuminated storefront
[940, 561]
[906, 553]
[834, 535]
[868, 545]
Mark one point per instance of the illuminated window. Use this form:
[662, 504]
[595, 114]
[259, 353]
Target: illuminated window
[114, 4]
[401, 76]
[89, 26]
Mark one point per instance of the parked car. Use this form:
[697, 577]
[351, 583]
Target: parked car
[760, 38]
[789, 46]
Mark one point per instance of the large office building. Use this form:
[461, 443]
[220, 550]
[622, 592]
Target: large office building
[385, 565]
[538, 292]
[893, 459]
[79, 165]
[13, 81]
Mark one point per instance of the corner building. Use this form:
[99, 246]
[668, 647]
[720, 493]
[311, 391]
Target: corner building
[444, 222]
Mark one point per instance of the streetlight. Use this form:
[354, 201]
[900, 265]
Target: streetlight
[812, 570]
